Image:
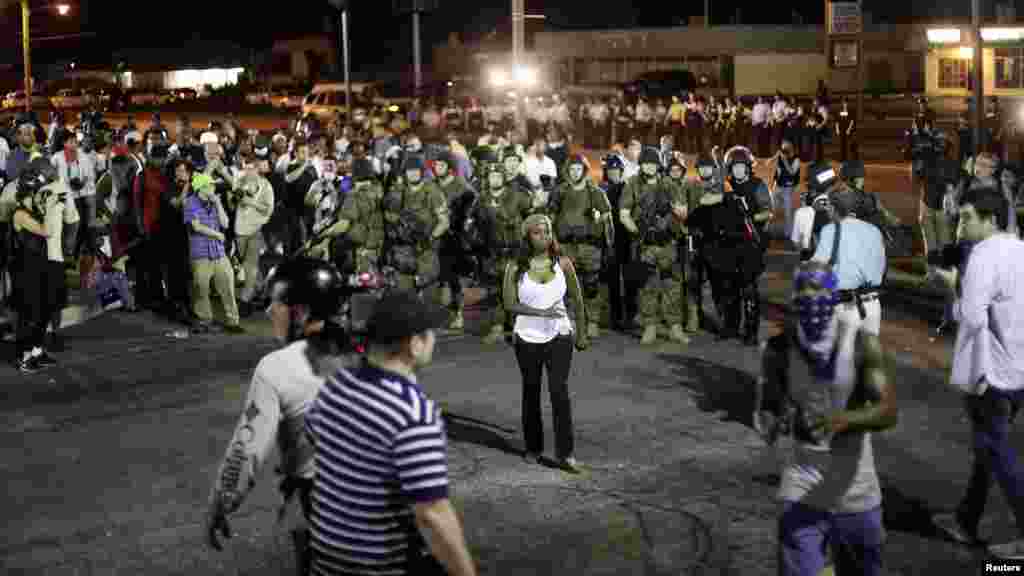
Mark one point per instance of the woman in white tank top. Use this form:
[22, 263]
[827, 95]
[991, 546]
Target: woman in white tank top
[535, 290]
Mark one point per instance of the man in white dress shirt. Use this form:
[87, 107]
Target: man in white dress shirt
[988, 362]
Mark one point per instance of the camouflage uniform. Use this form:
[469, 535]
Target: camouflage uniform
[410, 215]
[454, 261]
[496, 220]
[650, 204]
[691, 193]
[583, 227]
[362, 211]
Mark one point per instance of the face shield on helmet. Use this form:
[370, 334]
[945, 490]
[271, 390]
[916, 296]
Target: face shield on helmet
[740, 172]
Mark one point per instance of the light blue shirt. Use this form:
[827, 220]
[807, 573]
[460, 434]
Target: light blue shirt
[861, 260]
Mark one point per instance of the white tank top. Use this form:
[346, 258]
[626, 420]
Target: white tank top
[537, 330]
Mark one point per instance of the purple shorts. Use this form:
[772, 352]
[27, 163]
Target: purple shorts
[806, 534]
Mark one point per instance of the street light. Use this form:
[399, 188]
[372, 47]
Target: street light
[26, 40]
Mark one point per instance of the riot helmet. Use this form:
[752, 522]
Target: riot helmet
[613, 168]
[706, 168]
[649, 162]
[309, 288]
[739, 164]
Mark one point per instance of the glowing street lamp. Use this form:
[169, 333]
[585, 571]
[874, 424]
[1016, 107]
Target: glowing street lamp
[63, 9]
[26, 40]
[498, 77]
[526, 76]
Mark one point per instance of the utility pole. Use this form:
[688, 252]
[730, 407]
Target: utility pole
[26, 49]
[417, 58]
[342, 5]
[860, 63]
[977, 76]
[518, 48]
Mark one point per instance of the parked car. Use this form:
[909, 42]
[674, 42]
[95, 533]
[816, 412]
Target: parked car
[182, 94]
[148, 98]
[16, 100]
[288, 99]
[69, 98]
[661, 84]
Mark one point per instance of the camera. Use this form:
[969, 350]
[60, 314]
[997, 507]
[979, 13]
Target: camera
[76, 184]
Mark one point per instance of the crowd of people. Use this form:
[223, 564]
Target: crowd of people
[438, 207]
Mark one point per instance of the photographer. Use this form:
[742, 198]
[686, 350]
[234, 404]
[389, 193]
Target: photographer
[77, 172]
[32, 233]
[253, 199]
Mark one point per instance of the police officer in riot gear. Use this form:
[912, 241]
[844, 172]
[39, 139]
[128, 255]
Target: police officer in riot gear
[583, 226]
[453, 259]
[621, 293]
[416, 217]
[305, 294]
[653, 217]
[361, 219]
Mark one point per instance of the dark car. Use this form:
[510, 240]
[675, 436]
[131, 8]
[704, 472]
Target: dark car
[661, 84]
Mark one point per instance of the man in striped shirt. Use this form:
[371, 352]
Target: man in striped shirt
[381, 484]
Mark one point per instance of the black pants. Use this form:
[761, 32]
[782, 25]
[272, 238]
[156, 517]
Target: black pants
[622, 291]
[295, 230]
[448, 258]
[175, 255]
[533, 359]
[150, 280]
[32, 303]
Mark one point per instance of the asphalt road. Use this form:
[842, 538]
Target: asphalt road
[108, 460]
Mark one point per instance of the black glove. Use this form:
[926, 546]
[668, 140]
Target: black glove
[217, 525]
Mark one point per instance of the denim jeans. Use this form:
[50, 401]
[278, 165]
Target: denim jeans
[805, 534]
[991, 415]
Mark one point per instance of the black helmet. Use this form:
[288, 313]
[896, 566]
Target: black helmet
[362, 169]
[706, 167]
[309, 282]
[650, 156]
[851, 169]
[35, 176]
[738, 155]
[613, 162]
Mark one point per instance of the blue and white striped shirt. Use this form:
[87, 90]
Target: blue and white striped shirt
[380, 448]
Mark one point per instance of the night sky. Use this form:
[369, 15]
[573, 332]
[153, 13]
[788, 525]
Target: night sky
[379, 38]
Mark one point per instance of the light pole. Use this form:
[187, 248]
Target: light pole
[26, 40]
[342, 5]
[979, 88]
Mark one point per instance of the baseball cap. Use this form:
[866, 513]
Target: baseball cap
[401, 314]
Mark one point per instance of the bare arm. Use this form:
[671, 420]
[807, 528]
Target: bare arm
[24, 221]
[874, 408]
[440, 527]
[511, 300]
[575, 294]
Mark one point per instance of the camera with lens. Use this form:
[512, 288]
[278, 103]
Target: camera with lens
[76, 184]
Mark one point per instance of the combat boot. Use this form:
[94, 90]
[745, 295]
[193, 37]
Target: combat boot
[593, 331]
[496, 334]
[692, 318]
[677, 335]
[458, 322]
[650, 334]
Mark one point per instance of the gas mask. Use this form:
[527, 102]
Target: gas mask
[706, 173]
[615, 176]
[576, 172]
[649, 170]
[740, 172]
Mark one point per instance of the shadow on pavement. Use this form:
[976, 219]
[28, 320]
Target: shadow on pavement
[904, 513]
[466, 430]
[717, 388]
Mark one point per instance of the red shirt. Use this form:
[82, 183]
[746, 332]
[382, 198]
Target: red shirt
[150, 188]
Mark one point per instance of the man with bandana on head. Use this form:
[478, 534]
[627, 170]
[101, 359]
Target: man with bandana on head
[828, 387]
[652, 213]
[494, 221]
[415, 219]
[583, 227]
[460, 196]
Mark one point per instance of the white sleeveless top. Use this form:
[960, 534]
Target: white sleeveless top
[537, 330]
